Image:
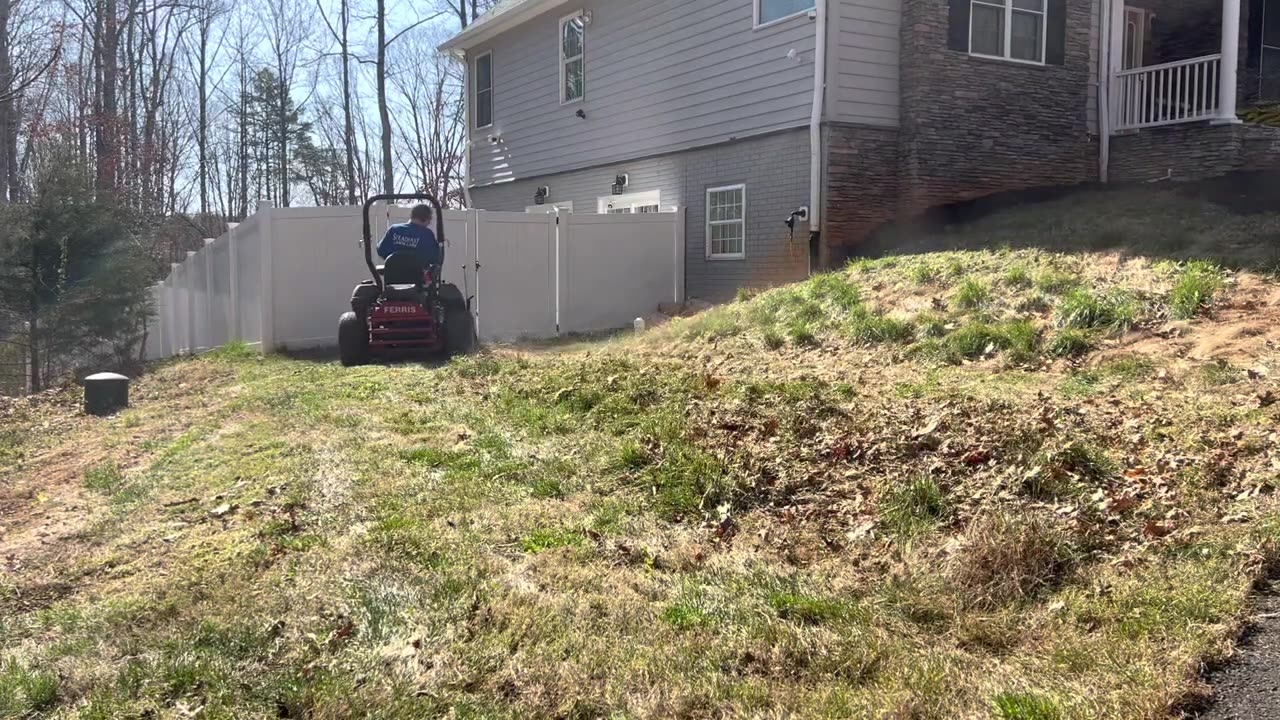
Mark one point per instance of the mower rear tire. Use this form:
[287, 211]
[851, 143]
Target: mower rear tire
[353, 340]
[459, 330]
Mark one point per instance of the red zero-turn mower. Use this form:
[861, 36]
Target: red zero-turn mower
[405, 309]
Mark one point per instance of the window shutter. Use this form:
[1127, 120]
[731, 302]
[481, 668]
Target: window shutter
[1055, 50]
[958, 30]
[1256, 16]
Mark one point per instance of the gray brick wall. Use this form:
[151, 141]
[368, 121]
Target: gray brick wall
[775, 169]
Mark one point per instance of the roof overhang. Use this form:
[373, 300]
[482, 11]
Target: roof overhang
[499, 20]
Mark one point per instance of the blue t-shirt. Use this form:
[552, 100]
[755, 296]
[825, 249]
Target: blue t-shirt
[410, 237]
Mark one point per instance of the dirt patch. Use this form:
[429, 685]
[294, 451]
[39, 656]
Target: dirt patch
[40, 512]
[1247, 687]
[1243, 330]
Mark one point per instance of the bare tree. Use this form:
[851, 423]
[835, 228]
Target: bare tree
[430, 117]
[207, 13]
[342, 35]
[468, 11]
[286, 31]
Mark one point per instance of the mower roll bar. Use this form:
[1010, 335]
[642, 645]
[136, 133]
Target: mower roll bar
[368, 229]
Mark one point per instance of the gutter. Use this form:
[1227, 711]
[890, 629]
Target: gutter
[815, 127]
[506, 16]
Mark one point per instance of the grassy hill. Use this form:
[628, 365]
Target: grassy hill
[1006, 483]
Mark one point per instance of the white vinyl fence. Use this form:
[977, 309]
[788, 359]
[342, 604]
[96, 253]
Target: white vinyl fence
[280, 279]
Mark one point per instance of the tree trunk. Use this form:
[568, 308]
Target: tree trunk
[388, 172]
[349, 131]
[107, 147]
[202, 130]
[284, 139]
[242, 156]
[8, 121]
[33, 342]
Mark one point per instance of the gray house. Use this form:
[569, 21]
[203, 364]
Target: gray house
[841, 115]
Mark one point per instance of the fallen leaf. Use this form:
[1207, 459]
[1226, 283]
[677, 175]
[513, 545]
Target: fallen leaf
[1120, 505]
[222, 510]
[1155, 529]
[1266, 399]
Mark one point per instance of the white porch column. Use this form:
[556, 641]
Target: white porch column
[1230, 63]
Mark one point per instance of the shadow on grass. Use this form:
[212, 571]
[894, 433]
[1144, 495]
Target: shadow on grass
[329, 356]
[1233, 221]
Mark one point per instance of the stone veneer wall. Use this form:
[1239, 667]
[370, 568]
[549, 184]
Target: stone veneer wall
[970, 127]
[862, 185]
[973, 126]
[1193, 152]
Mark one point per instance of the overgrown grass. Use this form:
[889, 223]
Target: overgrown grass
[918, 515]
[1197, 283]
[1082, 309]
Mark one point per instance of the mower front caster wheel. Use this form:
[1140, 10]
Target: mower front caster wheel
[353, 340]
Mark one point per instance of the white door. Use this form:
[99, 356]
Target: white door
[1135, 37]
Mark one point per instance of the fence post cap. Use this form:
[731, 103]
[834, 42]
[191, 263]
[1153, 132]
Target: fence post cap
[104, 376]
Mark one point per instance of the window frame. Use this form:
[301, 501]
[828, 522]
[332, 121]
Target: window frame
[741, 221]
[641, 198]
[1009, 10]
[756, 24]
[564, 61]
[475, 91]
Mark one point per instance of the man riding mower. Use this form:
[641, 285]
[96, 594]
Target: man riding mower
[406, 309]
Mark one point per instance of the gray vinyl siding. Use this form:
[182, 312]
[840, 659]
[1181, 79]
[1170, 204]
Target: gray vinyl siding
[661, 76]
[775, 169]
[863, 55]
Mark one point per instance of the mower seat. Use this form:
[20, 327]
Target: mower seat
[403, 277]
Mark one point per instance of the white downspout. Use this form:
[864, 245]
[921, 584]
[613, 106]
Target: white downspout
[1104, 89]
[815, 127]
[466, 118]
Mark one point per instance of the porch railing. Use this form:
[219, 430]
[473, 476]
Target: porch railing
[1168, 94]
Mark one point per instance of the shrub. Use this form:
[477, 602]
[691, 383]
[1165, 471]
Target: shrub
[1017, 277]
[713, 325]
[772, 339]
[972, 294]
[1197, 283]
[922, 273]
[976, 339]
[1055, 283]
[913, 506]
[835, 290]
[1070, 343]
[875, 329]
[1082, 309]
[931, 324]
[1036, 302]
[1026, 706]
[801, 334]
[105, 478]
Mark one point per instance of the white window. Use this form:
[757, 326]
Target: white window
[566, 206]
[726, 222]
[573, 68]
[1008, 29]
[639, 202]
[772, 11]
[482, 84]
